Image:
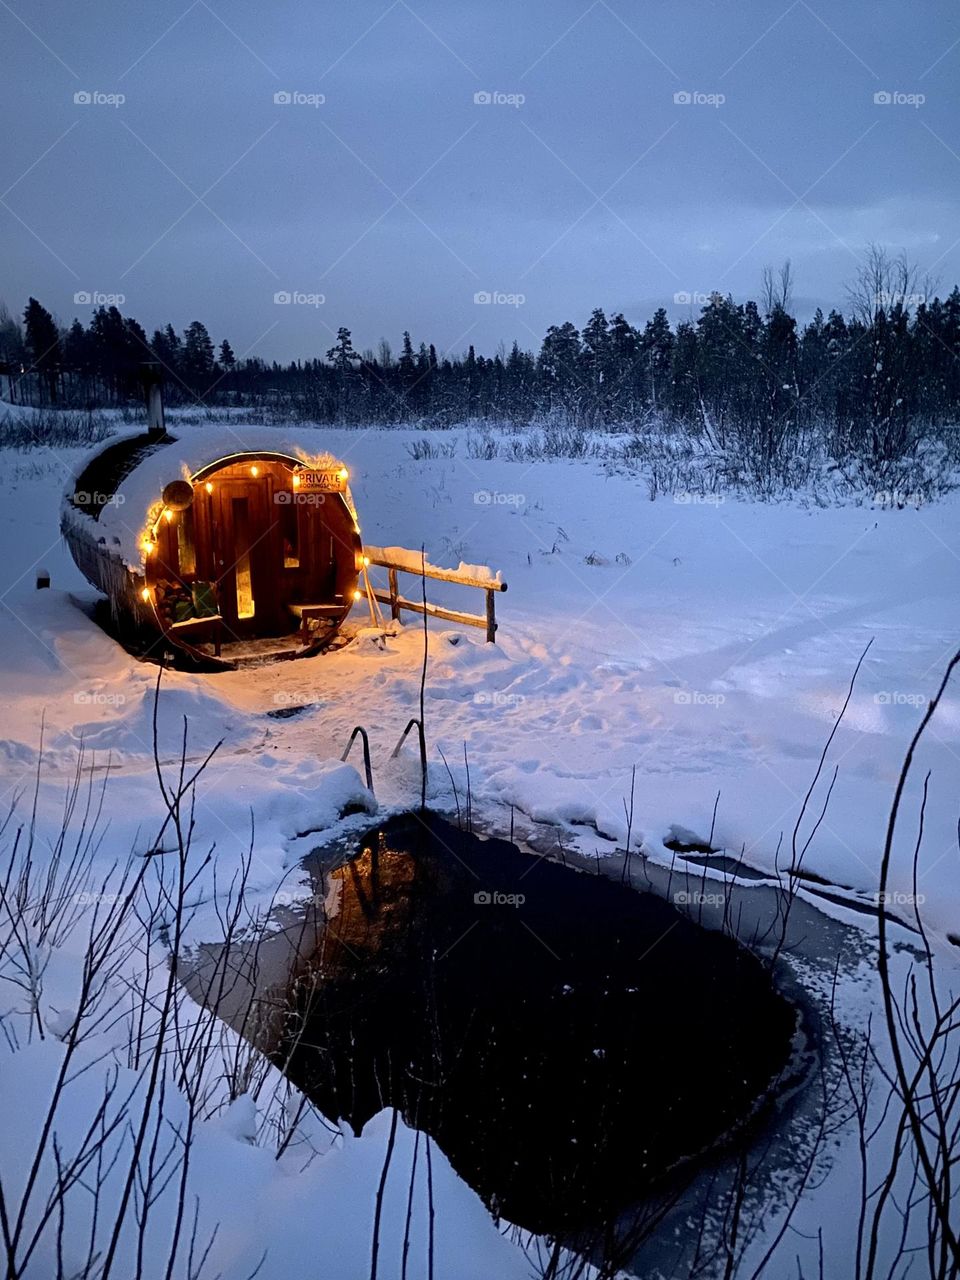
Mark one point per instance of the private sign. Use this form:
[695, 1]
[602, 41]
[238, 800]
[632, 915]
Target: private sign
[327, 480]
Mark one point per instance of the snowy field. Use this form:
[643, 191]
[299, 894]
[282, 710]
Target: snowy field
[708, 645]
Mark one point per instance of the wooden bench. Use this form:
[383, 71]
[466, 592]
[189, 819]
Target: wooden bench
[209, 628]
[308, 613]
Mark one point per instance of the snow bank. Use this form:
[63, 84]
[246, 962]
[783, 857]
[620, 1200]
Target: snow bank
[294, 1220]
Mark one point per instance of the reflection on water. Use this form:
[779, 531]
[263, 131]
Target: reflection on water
[568, 1042]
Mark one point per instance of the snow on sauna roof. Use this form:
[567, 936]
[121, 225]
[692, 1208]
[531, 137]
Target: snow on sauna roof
[110, 502]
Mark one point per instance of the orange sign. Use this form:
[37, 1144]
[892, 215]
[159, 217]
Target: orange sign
[332, 480]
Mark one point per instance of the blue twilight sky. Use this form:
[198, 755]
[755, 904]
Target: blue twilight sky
[583, 180]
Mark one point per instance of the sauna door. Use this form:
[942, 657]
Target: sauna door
[243, 538]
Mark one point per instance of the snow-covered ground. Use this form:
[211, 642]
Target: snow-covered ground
[708, 645]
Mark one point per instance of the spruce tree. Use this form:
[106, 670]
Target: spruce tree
[43, 346]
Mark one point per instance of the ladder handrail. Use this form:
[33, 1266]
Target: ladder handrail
[396, 752]
[359, 729]
[403, 737]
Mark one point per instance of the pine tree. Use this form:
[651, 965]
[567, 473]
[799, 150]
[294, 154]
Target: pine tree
[13, 353]
[167, 349]
[407, 370]
[43, 346]
[558, 367]
[342, 356]
[778, 362]
[812, 368]
[344, 360]
[720, 358]
[684, 397]
[519, 384]
[624, 390]
[12, 348]
[197, 361]
[657, 346]
[77, 359]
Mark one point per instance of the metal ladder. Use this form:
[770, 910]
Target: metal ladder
[360, 731]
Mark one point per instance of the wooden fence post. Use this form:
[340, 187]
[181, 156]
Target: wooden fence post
[491, 618]
[487, 621]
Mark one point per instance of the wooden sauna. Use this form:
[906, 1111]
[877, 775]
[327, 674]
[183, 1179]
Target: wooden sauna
[253, 553]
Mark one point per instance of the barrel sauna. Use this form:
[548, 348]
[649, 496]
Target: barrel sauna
[224, 550]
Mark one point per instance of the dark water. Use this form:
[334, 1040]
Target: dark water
[567, 1041]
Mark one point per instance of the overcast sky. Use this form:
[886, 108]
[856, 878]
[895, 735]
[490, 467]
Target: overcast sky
[399, 198]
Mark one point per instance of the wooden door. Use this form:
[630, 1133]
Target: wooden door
[242, 539]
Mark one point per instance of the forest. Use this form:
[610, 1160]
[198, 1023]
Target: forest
[875, 382]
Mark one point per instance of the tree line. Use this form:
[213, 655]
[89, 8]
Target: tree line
[871, 380]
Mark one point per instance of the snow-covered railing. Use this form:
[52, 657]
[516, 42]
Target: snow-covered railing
[397, 560]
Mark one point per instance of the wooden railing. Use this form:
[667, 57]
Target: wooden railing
[487, 621]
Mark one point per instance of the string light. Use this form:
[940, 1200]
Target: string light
[167, 514]
[343, 473]
[366, 561]
[145, 593]
[358, 595]
[254, 471]
[148, 546]
[209, 487]
[296, 480]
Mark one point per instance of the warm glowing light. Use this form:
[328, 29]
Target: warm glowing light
[358, 595]
[366, 561]
[145, 593]
[296, 480]
[167, 514]
[343, 473]
[209, 487]
[254, 471]
[147, 546]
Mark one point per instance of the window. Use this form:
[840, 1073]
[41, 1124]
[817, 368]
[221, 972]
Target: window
[241, 542]
[290, 533]
[186, 550]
